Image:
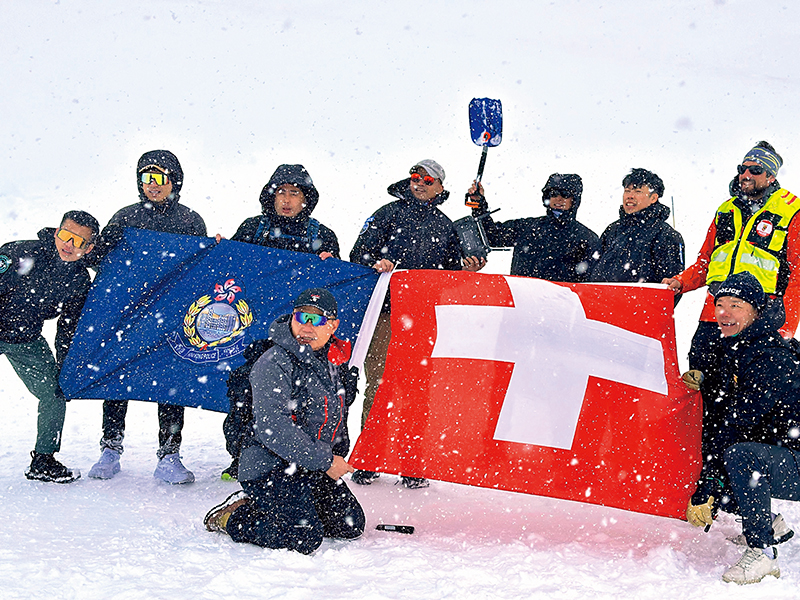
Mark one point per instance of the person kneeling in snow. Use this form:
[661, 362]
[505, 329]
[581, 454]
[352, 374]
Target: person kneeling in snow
[292, 463]
[751, 448]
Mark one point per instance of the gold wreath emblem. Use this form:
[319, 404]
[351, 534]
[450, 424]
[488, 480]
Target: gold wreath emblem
[245, 320]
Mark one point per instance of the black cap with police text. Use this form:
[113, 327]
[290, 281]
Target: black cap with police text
[744, 286]
[318, 298]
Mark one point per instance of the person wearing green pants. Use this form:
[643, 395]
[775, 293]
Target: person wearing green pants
[40, 280]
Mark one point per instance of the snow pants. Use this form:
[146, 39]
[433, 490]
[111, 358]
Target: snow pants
[757, 473]
[170, 425]
[296, 511]
[36, 366]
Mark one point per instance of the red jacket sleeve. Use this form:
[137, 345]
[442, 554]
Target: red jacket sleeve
[694, 276]
[791, 297]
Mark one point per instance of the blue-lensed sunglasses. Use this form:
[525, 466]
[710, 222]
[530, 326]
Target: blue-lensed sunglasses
[314, 319]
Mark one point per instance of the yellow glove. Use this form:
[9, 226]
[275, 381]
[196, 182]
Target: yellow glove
[693, 379]
[699, 515]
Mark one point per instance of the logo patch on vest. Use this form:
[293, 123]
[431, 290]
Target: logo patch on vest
[5, 262]
[764, 228]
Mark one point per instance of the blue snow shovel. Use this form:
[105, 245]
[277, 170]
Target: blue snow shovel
[485, 126]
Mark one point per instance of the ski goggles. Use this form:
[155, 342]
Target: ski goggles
[754, 169]
[313, 319]
[157, 178]
[427, 180]
[67, 236]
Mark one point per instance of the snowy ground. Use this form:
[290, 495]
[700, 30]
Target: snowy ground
[133, 537]
[358, 91]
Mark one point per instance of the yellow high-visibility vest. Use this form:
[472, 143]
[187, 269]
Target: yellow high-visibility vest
[758, 246]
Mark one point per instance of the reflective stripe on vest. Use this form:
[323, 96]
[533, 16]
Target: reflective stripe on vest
[756, 246]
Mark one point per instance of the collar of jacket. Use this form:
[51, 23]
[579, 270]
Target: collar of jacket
[654, 212]
[161, 208]
[402, 191]
[567, 216]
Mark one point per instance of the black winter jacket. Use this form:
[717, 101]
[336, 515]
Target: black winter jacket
[555, 248]
[300, 406]
[36, 285]
[760, 401]
[276, 231]
[409, 233]
[640, 247]
[167, 217]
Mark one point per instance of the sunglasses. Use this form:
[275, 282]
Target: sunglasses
[562, 193]
[157, 178]
[314, 319]
[427, 180]
[754, 169]
[67, 236]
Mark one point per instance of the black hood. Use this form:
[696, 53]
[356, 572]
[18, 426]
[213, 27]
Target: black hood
[402, 191]
[571, 184]
[295, 175]
[167, 161]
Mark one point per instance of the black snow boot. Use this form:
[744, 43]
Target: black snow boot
[44, 467]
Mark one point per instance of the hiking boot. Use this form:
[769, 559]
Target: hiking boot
[171, 469]
[107, 466]
[415, 483]
[232, 472]
[753, 567]
[780, 531]
[217, 518]
[364, 477]
[44, 467]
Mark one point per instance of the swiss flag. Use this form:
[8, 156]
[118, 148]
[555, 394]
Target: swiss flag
[564, 390]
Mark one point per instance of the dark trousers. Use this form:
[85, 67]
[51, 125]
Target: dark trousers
[35, 365]
[296, 511]
[170, 425]
[757, 473]
[236, 424]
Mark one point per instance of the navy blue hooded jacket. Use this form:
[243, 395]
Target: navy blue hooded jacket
[552, 247]
[410, 233]
[297, 233]
[36, 285]
[168, 217]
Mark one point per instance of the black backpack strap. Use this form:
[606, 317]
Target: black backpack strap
[263, 229]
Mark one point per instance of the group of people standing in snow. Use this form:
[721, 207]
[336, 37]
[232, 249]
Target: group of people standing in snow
[744, 366]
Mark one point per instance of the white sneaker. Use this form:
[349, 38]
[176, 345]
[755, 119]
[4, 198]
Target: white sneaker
[753, 567]
[780, 531]
[107, 466]
[171, 469]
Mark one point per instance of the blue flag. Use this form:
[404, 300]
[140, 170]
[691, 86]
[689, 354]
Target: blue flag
[169, 316]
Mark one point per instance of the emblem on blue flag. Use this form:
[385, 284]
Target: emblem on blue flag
[213, 326]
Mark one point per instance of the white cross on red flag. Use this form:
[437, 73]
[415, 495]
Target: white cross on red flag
[564, 390]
